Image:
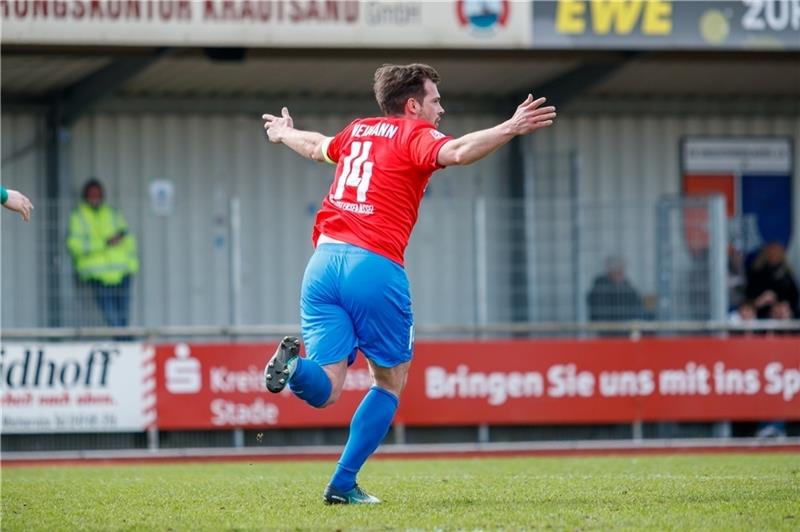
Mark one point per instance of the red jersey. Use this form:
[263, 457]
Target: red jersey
[382, 168]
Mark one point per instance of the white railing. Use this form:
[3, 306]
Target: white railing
[632, 328]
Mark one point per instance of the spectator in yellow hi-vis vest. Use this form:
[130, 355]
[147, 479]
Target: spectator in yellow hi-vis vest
[104, 253]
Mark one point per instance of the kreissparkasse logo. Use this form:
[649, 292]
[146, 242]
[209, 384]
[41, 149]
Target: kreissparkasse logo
[483, 17]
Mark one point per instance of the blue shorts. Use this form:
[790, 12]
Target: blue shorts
[353, 299]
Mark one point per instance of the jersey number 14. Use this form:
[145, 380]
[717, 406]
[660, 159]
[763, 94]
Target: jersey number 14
[356, 171]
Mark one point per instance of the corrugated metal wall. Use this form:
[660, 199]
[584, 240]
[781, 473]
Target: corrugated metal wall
[626, 163]
[213, 157]
[22, 249]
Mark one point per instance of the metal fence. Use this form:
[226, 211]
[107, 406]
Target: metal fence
[478, 267]
[472, 262]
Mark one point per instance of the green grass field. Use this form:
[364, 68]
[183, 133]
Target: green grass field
[719, 492]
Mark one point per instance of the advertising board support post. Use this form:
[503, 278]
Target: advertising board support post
[152, 439]
[400, 433]
[637, 430]
[238, 438]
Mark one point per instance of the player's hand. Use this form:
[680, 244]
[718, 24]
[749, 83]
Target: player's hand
[530, 116]
[18, 202]
[276, 126]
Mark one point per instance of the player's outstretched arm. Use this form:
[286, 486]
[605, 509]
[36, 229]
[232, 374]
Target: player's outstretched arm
[280, 130]
[18, 202]
[529, 116]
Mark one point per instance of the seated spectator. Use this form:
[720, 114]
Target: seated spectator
[743, 316]
[774, 291]
[612, 297]
[781, 311]
[744, 313]
[771, 285]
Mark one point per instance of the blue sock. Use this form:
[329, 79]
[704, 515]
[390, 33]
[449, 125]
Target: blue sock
[310, 383]
[367, 429]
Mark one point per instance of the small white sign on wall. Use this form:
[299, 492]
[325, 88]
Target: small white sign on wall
[162, 197]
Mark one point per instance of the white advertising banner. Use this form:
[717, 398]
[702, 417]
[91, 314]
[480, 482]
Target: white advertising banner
[269, 23]
[739, 155]
[80, 387]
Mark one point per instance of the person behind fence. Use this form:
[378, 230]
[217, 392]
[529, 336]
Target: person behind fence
[773, 289]
[612, 297]
[771, 284]
[744, 313]
[104, 253]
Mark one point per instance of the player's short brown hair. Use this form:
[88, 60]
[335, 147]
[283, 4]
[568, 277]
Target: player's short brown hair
[395, 84]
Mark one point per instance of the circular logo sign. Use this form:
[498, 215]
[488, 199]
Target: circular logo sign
[483, 15]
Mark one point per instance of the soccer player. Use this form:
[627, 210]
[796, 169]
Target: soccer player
[355, 293]
[16, 201]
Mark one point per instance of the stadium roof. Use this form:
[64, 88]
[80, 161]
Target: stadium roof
[35, 75]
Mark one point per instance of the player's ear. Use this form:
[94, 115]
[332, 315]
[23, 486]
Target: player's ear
[412, 106]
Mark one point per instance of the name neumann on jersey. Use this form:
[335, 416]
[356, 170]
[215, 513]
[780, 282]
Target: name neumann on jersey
[381, 129]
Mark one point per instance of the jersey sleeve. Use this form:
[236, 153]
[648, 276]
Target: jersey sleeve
[332, 147]
[424, 144]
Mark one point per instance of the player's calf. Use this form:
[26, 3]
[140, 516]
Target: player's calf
[305, 377]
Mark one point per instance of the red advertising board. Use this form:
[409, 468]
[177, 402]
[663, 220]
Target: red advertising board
[503, 382]
[222, 386]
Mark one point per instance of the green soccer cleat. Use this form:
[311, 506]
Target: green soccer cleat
[277, 371]
[354, 496]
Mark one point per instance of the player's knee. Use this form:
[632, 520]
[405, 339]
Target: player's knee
[393, 387]
[336, 393]
[337, 373]
[391, 381]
